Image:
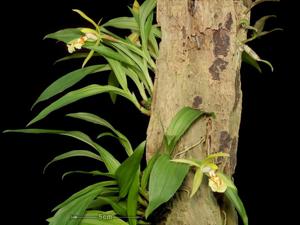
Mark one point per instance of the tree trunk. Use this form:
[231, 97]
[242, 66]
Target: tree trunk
[199, 66]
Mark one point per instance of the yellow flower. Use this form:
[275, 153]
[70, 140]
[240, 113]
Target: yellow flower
[216, 183]
[76, 44]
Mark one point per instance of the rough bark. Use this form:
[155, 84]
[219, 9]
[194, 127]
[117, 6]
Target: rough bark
[199, 66]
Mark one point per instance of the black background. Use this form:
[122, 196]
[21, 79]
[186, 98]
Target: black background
[266, 173]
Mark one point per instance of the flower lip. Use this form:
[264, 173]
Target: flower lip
[216, 183]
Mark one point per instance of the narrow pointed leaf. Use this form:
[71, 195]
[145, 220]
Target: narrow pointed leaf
[122, 23]
[165, 179]
[148, 27]
[98, 203]
[156, 31]
[74, 153]
[252, 62]
[108, 52]
[260, 24]
[132, 200]
[234, 198]
[65, 35]
[74, 134]
[112, 81]
[77, 207]
[76, 95]
[68, 81]
[76, 55]
[106, 134]
[153, 43]
[263, 33]
[119, 72]
[118, 208]
[92, 118]
[108, 159]
[93, 173]
[253, 55]
[145, 10]
[180, 123]
[125, 174]
[135, 78]
[97, 186]
[147, 171]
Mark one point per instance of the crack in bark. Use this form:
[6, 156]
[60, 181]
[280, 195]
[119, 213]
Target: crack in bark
[237, 84]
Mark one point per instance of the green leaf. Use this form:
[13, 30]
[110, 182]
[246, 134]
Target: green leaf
[119, 72]
[125, 174]
[65, 35]
[260, 23]
[263, 33]
[95, 217]
[253, 55]
[98, 202]
[74, 134]
[74, 153]
[105, 31]
[146, 8]
[135, 78]
[76, 55]
[98, 186]
[84, 16]
[156, 31]
[68, 81]
[234, 198]
[79, 94]
[92, 118]
[153, 44]
[112, 81]
[107, 134]
[93, 173]
[182, 121]
[125, 45]
[117, 207]
[148, 27]
[109, 53]
[197, 181]
[147, 171]
[110, 162]
[77, 207]
[131, 56]
[165, 179]
[132, 200]
[249, 60]
[122, 23]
